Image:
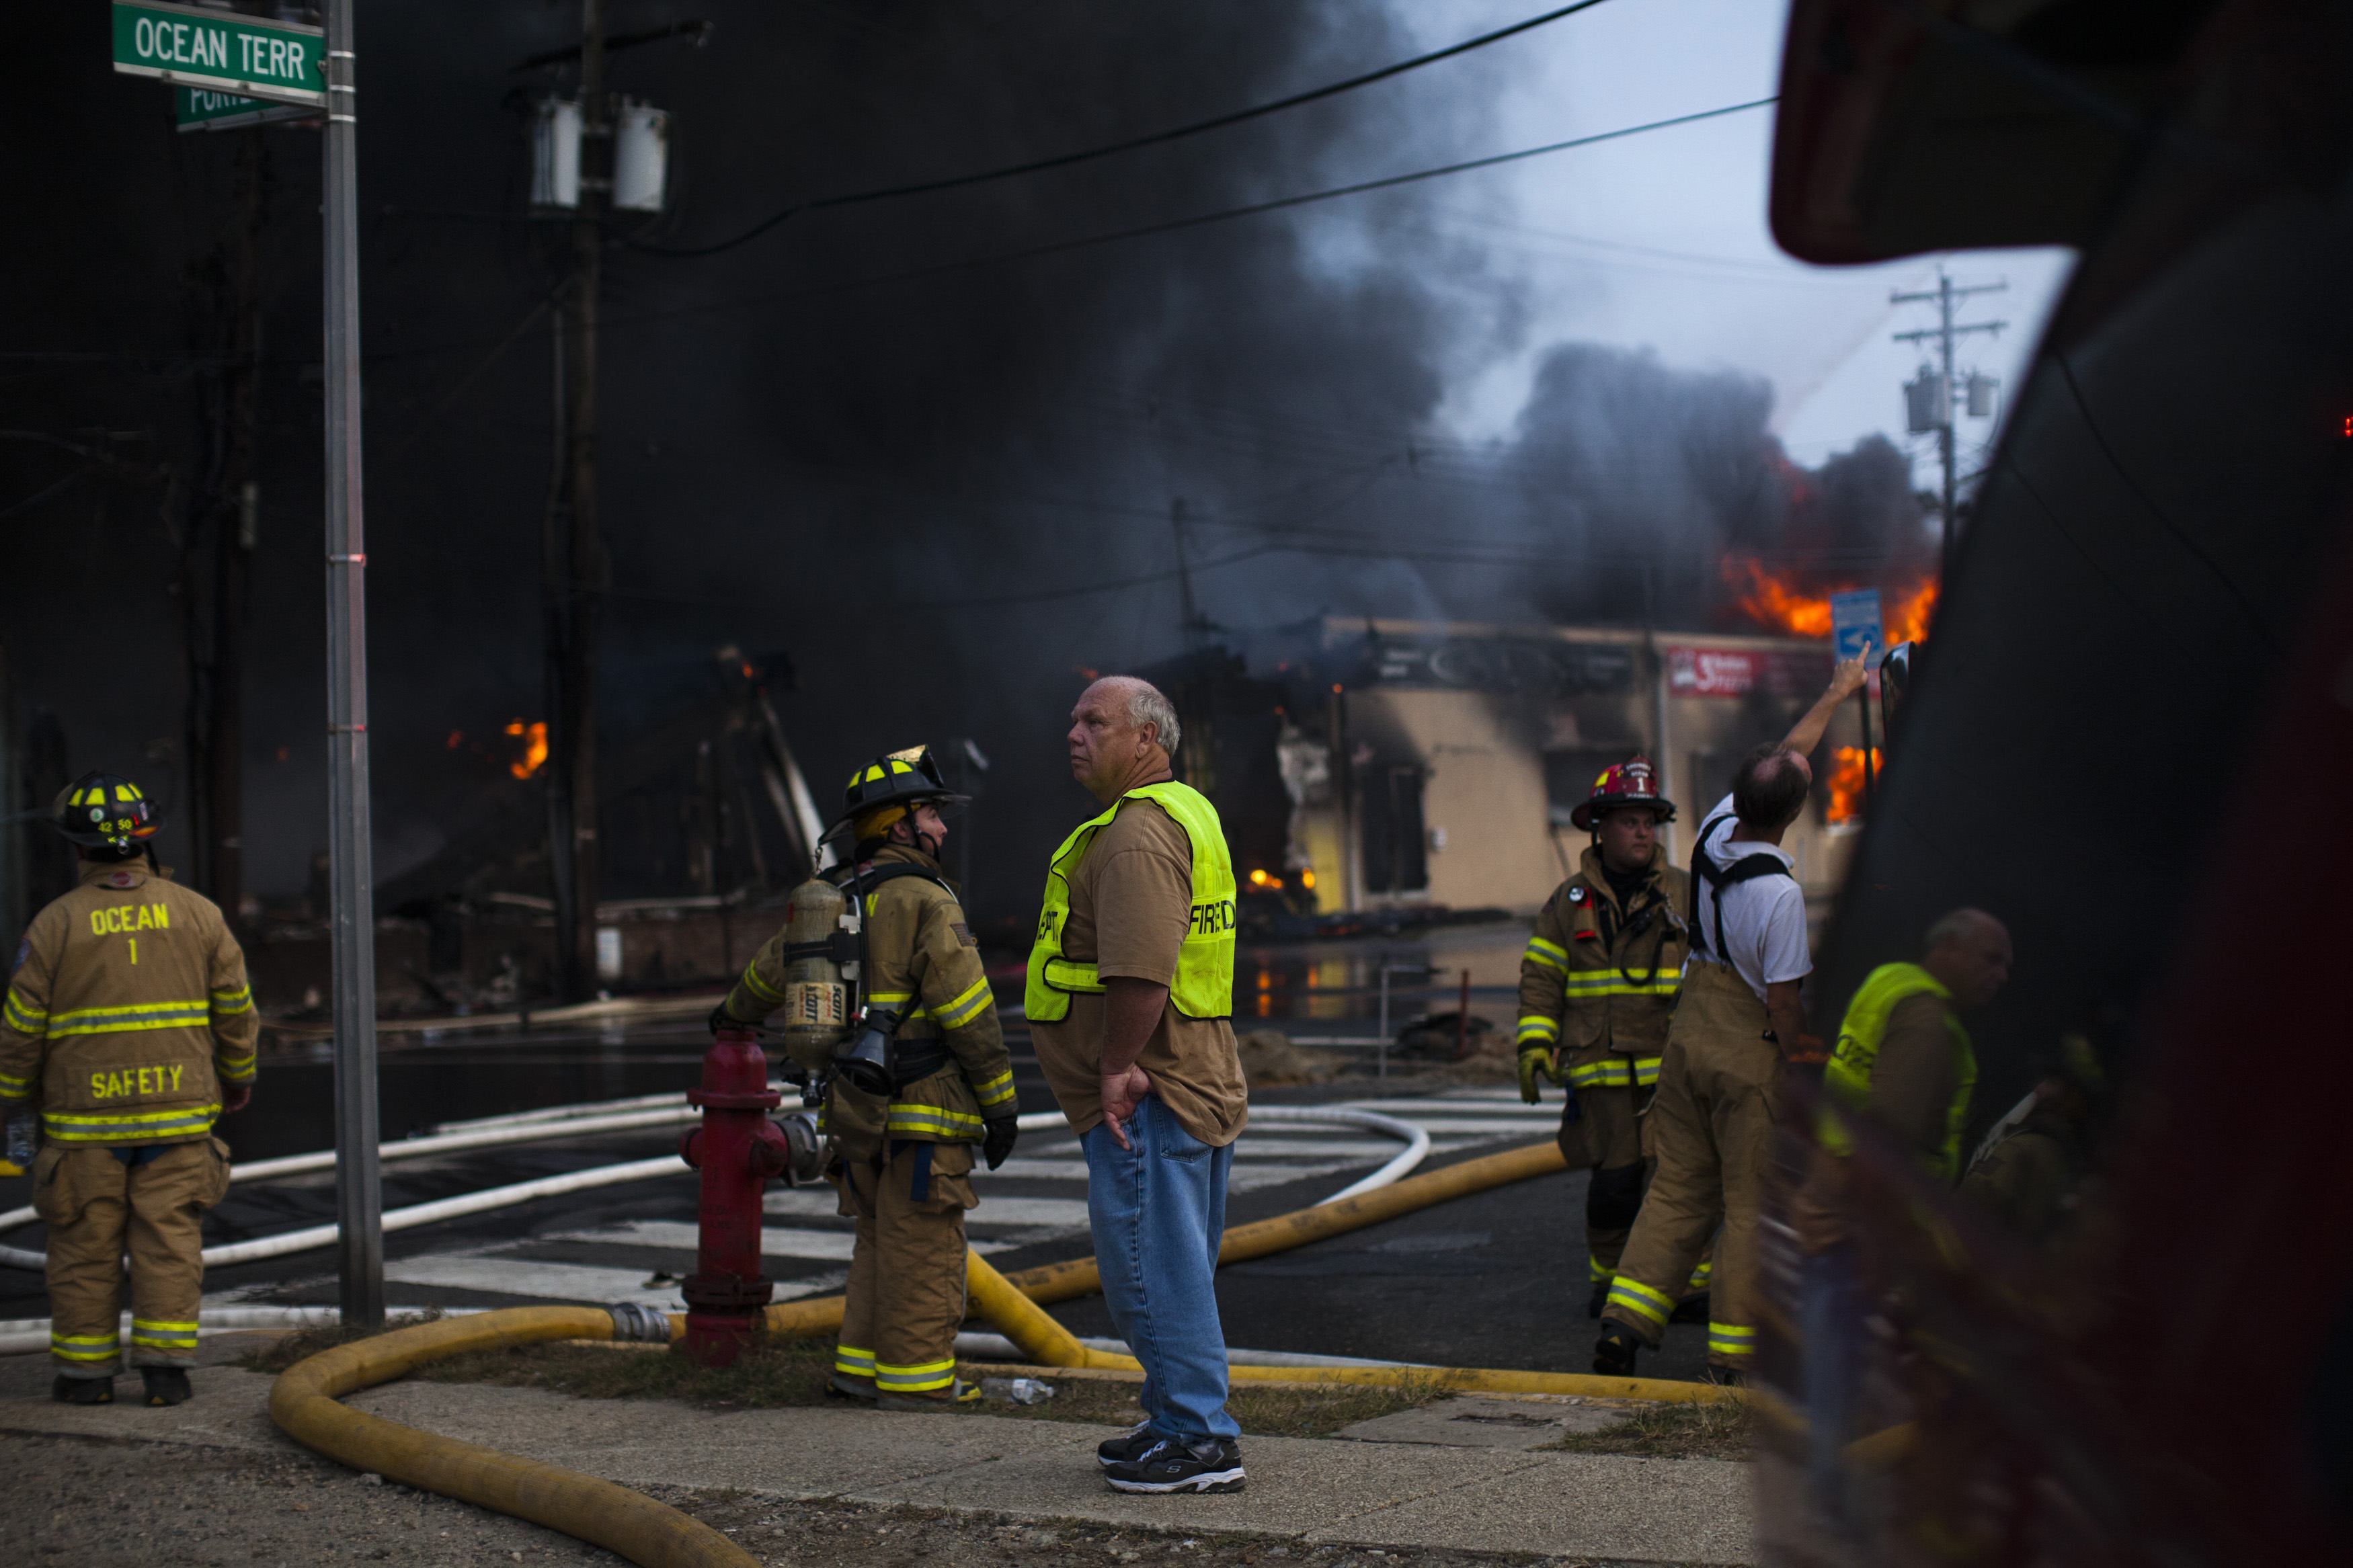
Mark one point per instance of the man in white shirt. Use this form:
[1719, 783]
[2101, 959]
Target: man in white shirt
[1719, 1078]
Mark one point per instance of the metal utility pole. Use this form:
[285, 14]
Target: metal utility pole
[574, 548]
[1946, 296]
[359, 1200]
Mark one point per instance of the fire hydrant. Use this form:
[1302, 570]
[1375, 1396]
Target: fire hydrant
[737, 1148]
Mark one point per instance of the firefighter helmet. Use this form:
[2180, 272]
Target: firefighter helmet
[904, 779]
[1629, 782]
[103, 811]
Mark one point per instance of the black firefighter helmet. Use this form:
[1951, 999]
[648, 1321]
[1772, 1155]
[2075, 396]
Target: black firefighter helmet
[902, 779]
[103, 811]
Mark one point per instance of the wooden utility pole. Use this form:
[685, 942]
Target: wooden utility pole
[222, 522]
[575, 549]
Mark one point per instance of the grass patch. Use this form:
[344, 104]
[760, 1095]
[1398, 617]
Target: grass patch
[1726, 1431]
[285, 1350]
[779, 1372]
[1261, 1412]
[784, 1372]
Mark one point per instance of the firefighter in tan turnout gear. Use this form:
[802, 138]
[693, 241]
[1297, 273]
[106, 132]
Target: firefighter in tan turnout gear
[1598, 984]
[129, 1021]
[937, 1082]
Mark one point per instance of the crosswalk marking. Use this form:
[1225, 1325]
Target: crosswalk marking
[527, 1276]
[1038, 1197]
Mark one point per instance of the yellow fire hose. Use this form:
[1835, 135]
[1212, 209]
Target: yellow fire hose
[304, 1402]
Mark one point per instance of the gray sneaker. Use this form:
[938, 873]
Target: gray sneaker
[1201, 1465]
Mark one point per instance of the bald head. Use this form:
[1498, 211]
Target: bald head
[1122, 733]
[1769, 790]
[1968, 952]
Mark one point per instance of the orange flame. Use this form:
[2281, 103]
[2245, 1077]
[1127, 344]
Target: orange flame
[534, 748]
[1780, 602]
[1846, 781]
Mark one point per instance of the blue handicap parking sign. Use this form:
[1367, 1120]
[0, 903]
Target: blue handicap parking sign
[1854, 621]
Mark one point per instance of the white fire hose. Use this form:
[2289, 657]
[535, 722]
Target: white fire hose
[614, 1116]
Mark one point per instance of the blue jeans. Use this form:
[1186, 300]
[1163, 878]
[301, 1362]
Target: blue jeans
[1158, 1211]
[1830, 1309]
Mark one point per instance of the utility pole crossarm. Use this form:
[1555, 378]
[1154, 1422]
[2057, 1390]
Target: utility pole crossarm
[1929, 334]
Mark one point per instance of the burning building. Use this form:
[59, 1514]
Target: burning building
[1366, 764]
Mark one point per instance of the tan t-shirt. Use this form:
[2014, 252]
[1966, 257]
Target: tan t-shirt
[1131, 903]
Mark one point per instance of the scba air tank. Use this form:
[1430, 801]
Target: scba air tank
[816, 1015]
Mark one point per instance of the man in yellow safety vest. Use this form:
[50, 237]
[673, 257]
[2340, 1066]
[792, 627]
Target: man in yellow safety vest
[1130, 1002]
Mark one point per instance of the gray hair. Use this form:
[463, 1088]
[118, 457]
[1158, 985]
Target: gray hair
[1956, 926]
[1146, 705]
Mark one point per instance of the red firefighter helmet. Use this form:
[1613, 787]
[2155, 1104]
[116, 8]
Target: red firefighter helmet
[1631, 783]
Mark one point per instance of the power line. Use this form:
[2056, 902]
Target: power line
[1172, 226]
[1133, 144]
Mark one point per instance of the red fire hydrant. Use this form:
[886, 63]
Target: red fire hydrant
[737, 1148]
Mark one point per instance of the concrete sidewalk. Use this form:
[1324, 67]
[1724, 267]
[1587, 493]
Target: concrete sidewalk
[1411, 1489]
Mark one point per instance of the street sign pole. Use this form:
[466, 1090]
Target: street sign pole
[1854, 627]
[214, 52]
[359, 1200]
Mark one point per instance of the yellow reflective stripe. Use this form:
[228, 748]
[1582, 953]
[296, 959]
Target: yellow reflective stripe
[759, 988]
[163, 1326]
[84, 1347]
[22, 1016]
[1640, 1300]
[14, 1086]
[1700, 1275]
[1063, 975]
[857, 1362]
[1534, 1028]
[163, 1342]
[1611, 1072]
[1539, 950]
[128, 1128]
[1595, 1272]
[1610, 983]
[997, 1090]
[967, 1006]
[917, 1379]
[905, 1118]
[1731, 1339]
[121, 1020]
[237, 1000]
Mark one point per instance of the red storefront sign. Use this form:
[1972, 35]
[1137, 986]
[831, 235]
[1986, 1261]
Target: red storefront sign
[1696, 670]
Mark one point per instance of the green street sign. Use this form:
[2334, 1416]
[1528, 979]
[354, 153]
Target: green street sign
[221, 50]
[201, 108]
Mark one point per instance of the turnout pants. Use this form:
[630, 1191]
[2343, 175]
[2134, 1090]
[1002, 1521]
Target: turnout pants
[1612, 1137]
[905, 1297]
[148, 1200]
[1717, 1097]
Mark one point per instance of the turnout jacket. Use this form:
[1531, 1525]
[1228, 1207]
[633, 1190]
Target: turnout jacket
[949, 1054]
[127, 1012]
[1598, 980]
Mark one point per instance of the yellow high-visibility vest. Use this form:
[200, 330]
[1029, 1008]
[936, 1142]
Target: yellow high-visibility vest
[1204, 984]
[1846, 1081]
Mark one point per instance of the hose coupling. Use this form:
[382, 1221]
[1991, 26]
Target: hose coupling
[649, 1325]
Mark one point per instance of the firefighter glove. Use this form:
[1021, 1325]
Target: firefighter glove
[997, 1139]
[1535, 1059]
[720, 1018]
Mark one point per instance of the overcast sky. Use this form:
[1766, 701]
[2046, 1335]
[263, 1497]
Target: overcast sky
[1660, 240]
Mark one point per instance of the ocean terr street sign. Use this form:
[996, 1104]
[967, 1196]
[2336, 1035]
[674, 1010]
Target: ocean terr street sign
[201, 108]
[223, 51]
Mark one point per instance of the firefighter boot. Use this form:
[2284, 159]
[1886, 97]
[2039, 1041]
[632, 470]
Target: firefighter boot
[166, 1386]
[1613, 1353]
[82, 1390]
